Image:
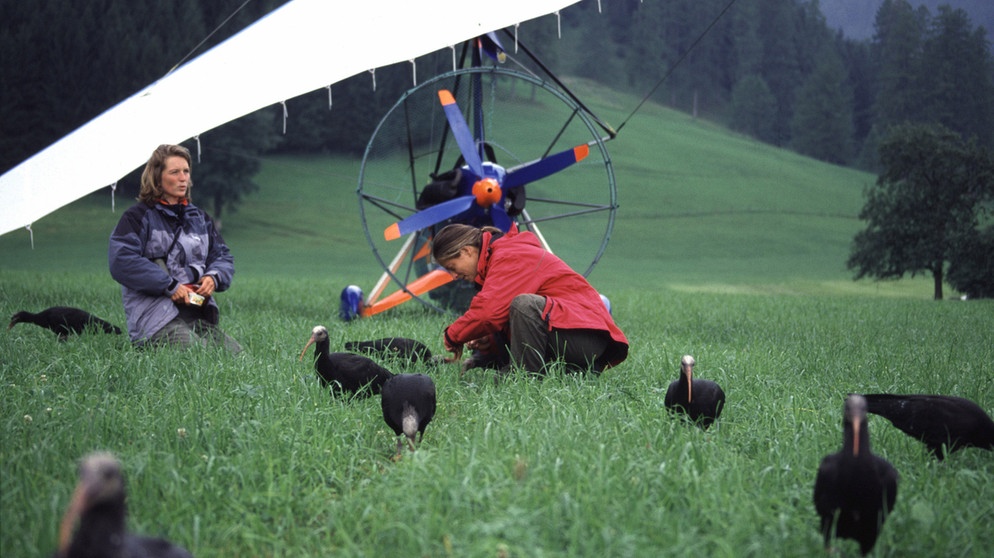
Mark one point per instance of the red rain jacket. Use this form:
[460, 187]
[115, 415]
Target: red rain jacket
[516, 263]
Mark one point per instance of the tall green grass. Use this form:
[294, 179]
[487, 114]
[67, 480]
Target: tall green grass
[248, 456]
[723, 248]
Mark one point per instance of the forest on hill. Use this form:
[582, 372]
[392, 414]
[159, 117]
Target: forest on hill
[771, 69]
[855, 19]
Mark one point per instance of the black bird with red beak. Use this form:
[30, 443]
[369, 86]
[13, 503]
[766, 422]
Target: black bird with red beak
[701, 400]
[346, 373]
[855, 490]
[94, 524]
[939, 421]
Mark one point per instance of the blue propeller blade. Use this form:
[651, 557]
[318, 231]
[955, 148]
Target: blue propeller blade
[499, 217]
[428, 217]
[460, 130]
[536, 170]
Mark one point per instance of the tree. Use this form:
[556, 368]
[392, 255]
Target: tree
[822, 126]
[747, 51]
[230, 157]
[65, 62]
[856, 58]
[925, 206]
[785, 58]
[754, 109]
[972, 270]
[897, 52]
[959, 92]
[650, 55]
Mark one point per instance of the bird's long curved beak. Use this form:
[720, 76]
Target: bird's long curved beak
[689, 373]
[69, 520]
[309, 343]
[856, 425]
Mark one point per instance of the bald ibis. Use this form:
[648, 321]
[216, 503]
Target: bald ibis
[408, 402]
[63, 321]
[701, 400]
[392, 347]
[346, 373]
[854, 489]
[94, 524]
[936, 420]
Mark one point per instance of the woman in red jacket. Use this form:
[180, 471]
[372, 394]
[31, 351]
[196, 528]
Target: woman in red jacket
[545, 310]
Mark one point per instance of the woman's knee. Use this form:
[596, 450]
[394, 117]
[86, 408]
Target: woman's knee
[528, 304]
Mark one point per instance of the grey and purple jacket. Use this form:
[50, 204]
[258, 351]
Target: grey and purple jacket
[187, 246]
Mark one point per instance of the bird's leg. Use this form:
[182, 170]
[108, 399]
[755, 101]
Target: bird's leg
[410, 443]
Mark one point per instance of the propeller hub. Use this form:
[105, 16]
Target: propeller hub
[487, 192]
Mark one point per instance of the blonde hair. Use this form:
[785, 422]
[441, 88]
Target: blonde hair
[151, 182]
[452, 238]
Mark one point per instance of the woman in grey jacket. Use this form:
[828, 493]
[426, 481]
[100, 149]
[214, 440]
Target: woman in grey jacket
[169, 259]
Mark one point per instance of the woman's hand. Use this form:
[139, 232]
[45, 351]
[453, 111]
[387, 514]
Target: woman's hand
[453, 348]
[181, 295]
[483, 344]
[207, 286]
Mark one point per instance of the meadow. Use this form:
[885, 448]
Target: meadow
[723, 248]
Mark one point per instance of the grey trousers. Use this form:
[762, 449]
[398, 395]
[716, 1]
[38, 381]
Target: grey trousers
[533, 346]
[187, 331]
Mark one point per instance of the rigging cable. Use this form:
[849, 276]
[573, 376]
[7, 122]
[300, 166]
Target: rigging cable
[207, 38]
[678, 62]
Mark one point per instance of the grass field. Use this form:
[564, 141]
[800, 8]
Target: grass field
[725, 249]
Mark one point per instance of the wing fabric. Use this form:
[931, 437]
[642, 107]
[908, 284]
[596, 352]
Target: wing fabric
[300, 47]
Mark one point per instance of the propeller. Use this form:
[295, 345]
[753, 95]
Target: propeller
[467, 145]
[489, 180]
[536, 170]
[428, 217]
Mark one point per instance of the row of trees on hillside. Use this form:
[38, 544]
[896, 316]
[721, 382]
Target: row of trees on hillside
[771, 69]
[774, 70]
[930, 70]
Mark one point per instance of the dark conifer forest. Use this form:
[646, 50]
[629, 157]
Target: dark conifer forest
[771, 69]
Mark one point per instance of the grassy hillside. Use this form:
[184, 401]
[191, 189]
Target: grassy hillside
[700, 208]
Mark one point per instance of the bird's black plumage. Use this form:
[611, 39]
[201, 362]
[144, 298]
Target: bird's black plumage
[392, 347]
[408, 403]
[855, 490]
[64, 321]
[94, 524]
[701, 400]
[346, 373]
[936, 420]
